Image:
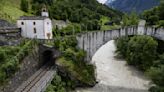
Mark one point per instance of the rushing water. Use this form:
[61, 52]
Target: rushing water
[115, 75]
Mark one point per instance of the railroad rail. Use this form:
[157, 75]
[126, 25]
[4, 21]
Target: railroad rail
[34, 83]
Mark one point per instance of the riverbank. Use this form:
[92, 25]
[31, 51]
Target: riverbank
[115, 75]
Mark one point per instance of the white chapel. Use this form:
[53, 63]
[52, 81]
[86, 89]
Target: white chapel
[39, 27]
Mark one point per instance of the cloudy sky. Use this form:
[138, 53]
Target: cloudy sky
[102, 1]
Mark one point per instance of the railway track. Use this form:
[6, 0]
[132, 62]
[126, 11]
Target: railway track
[32, 81]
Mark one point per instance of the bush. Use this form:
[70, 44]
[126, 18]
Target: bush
[57, 85]
[72, 60]
[139, 49]
[24, 5]
[67, 42]
[132, 19]
[161, 23]
[157, 76]
[121, 45]
[10, 57]
[156, 89]
[2, 56]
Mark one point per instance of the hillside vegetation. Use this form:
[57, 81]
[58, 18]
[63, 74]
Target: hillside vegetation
[85, 12]
[10, 10]
[136, 50]
[155, 16]
[11, 57]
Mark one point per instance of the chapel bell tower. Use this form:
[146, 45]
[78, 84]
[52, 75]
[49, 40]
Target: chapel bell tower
[44, 12]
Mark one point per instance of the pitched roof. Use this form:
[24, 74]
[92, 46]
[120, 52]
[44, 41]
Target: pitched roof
[32, 18]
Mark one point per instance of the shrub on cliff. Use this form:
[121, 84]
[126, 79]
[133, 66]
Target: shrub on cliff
[57, 85]
[71, 65]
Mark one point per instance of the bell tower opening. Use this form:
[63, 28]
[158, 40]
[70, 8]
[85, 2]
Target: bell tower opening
[44, 12]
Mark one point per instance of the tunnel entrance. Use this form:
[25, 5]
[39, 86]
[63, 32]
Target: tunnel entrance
[47, 57]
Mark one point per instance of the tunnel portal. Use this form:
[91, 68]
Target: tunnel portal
[47, 57]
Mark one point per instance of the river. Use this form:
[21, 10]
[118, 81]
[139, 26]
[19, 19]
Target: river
[114, 75]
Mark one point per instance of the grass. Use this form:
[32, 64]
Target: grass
[10, 10]
[107, 27]
[104, 20]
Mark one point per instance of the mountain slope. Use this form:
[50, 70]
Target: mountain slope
[87, 13]
[10, 10]
[132, 5]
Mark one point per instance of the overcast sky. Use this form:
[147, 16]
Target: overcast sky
[102, 1]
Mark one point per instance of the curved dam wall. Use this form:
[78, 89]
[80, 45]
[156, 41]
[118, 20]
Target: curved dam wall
[92, 41]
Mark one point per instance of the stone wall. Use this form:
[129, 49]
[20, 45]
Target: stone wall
[9, 36]
[28, 67]
[92, 41]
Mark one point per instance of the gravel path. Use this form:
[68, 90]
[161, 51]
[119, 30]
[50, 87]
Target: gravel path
[114, 75]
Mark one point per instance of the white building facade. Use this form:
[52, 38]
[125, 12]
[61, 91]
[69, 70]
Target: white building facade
[39, 27]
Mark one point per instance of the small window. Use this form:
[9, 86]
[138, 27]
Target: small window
[22, 23]
[47, 23]
[34, 23]
[34, 30]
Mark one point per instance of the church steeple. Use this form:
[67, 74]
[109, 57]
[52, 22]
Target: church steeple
[44, 12]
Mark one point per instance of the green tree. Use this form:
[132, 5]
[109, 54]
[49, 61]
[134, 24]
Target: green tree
[125, 20]
[134, 19]
[122, 44]
[161, 10]
[131, 19]
[161, 23]
[138, 51]
[155, 15]
[77, 11]
[24, 5]
[157, 76]
[153, 19]
[57, 85]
